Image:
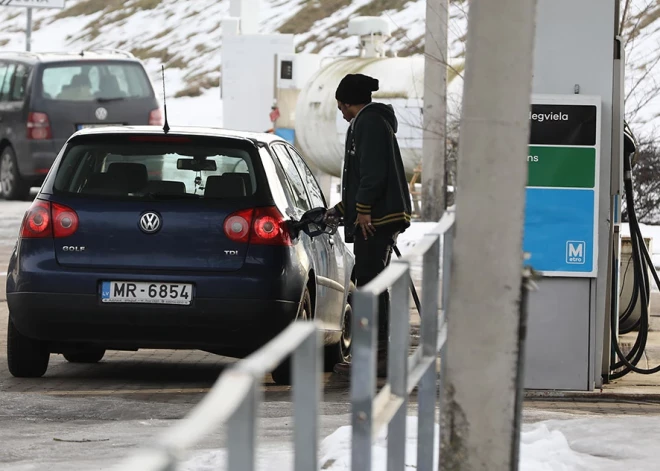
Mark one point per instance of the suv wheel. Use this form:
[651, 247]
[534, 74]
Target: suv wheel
[283, 374]
[12, 186]
[26, 357]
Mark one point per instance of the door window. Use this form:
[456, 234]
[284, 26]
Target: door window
[19, 84]
[301, 200]
[3, 71]
[313, 188]
[5, 87]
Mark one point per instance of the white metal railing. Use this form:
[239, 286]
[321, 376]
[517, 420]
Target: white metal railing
[234, 400]
[235, 397]
[372, 411]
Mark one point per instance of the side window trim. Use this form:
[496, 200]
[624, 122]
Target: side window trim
[293, 152]
[305, 194]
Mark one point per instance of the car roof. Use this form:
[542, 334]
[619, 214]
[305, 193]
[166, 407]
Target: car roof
[204, 131]
[80, 56]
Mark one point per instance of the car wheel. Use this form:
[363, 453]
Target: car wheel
[283, 374]
[26, 357]
[340, 352]
[90, 355]
[12, 186]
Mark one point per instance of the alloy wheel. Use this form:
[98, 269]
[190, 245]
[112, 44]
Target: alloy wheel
[6, 174]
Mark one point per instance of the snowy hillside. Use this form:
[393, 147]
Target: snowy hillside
[185, 36]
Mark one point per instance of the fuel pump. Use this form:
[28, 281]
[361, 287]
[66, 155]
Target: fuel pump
[642, 264]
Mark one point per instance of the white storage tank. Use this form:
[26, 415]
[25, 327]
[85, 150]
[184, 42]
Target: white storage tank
[321, 130]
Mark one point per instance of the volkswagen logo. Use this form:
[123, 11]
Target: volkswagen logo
[150, 222]
[101, 113]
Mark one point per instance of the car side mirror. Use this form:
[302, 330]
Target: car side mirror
[313, 223]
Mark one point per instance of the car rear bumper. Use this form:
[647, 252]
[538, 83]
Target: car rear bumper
[229, 326]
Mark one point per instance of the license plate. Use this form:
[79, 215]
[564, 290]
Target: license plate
[146, 292]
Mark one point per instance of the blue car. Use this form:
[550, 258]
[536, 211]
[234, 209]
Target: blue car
[219, 251]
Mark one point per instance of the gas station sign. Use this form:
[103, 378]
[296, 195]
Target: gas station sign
[561, 232]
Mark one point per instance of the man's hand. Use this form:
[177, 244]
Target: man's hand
[364, 221]
[331, 216]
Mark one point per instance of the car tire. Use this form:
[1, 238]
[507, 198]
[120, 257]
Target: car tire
[283, 374]
[12, 186]
[340, 352]
[26, 357]
[90, 355]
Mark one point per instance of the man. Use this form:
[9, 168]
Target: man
[375, 202]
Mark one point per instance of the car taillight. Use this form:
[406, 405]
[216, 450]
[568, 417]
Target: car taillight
[156, 118]
[38, 126]
[263, 226]
[237, 225]
[36, 222]
[46, 219]
[65, 220]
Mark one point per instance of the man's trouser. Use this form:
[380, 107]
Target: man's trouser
[372, 256]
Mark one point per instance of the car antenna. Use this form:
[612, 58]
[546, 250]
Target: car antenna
[166, 127]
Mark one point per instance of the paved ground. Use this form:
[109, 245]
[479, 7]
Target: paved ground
[90, 416]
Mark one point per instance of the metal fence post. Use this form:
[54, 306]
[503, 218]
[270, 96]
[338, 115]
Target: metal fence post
[363, 377]
[427, 391]
[447, 250]
[397, 368]
[306, 399]
[242, 432]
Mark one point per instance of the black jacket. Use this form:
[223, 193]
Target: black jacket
[374, 181]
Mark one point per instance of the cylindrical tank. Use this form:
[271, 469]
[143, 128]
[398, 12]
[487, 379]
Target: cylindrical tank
[321, 129]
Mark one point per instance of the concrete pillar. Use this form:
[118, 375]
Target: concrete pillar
[479, 430]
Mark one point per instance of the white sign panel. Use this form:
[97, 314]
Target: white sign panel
[33, 3]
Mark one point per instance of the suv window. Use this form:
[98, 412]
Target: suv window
[313, 188]
[294, 177]
[90, 81]
[5, 87]
[3, 71]
[141, 167]
[19, 84]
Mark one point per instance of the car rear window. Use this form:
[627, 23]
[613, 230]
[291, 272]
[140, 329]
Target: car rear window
[95, 81]
[139, 168]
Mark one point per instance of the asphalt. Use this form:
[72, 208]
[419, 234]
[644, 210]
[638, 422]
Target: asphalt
[91, 416]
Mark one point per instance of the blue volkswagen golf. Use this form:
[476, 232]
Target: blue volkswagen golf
[219, 249]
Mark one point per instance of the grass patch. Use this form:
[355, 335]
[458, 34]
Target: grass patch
[89, 7]
[163, 33]
[377, 7]
[311, 12]
[197, 88]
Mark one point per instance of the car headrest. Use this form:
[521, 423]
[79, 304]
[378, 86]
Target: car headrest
[135, 175]
[246, 180]
[224, 186]
[166, 186]
[103, 184]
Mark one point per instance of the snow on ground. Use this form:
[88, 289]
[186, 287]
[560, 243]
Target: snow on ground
[608, 443]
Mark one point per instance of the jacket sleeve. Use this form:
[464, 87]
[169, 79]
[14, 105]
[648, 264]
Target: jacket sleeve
[339, 207]
[373, 149]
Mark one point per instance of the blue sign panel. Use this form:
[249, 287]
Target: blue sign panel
[559, 230]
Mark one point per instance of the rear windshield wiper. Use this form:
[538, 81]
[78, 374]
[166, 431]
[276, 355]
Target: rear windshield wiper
[106, 100]
[161, 195]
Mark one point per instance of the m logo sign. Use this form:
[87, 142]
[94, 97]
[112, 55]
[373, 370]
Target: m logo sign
[575, 252]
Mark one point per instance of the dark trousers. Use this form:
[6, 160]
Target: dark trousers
[372, 256]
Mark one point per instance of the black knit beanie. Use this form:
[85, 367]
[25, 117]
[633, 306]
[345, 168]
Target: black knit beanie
[355, 89]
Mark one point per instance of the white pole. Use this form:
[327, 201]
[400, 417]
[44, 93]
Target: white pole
[479, 430]
[28, 31]
[434, 149]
